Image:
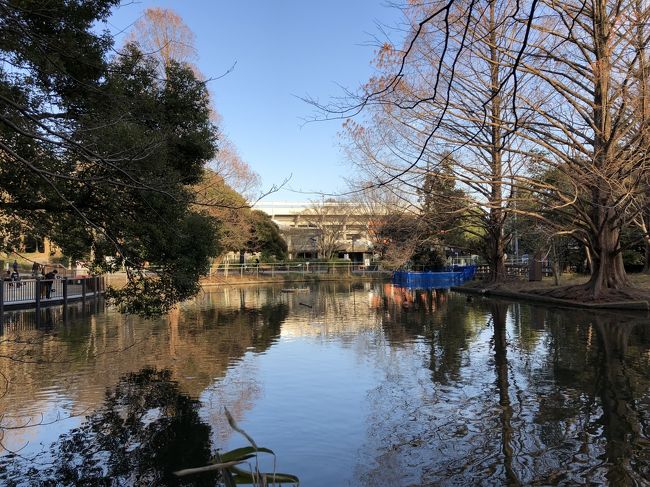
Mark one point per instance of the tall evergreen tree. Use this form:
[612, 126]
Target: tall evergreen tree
[97, 153]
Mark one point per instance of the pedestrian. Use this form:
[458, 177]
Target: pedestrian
[35, 268]
[15, 265]
[41, 282]
[15, 277]
[50, 276]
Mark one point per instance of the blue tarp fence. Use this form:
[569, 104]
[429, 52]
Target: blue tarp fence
[453, 276]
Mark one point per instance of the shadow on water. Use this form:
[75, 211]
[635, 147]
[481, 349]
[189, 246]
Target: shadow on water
[144, 431]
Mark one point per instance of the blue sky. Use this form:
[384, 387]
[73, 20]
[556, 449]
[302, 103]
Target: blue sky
[283, 49]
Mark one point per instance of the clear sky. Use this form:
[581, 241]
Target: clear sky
[283, 49]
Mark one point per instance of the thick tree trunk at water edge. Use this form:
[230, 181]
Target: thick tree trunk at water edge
[496, 259]
[607, 261]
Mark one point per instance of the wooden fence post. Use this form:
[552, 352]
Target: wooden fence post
[96, 294]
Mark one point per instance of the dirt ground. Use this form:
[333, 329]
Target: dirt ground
[569, 288]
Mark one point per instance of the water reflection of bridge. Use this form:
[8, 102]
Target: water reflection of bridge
[50, 316]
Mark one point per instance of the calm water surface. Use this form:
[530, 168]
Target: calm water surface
[359, 385]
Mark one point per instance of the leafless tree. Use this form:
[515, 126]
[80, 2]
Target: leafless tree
[330, 219]
[388, 216]
[164, 34]
[232, 210]
[515, 91]
[454, 81]
[643, 113]
[239, 175]
[585, 58]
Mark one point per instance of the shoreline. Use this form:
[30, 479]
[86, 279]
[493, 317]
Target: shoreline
[639, 305]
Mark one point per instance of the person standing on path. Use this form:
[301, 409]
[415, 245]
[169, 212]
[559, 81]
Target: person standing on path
[15, 266]
[41, 283]
[50, 276]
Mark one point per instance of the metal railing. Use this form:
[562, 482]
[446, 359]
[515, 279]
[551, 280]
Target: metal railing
[27, 293]
[292, 268]
[261, 270]
[515, 270]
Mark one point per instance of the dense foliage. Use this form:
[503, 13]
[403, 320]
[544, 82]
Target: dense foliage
[98, 153]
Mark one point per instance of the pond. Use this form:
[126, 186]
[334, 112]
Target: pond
[360, 384]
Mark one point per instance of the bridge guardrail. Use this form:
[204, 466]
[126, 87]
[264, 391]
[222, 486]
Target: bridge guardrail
[27, 293]
[262, 269]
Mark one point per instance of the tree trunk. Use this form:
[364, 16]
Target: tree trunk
[555, 264]
[496, 244]
[496, 258]
[646, 266]
[607, 260]
[607, 263]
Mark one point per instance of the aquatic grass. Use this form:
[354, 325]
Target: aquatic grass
[227, 464]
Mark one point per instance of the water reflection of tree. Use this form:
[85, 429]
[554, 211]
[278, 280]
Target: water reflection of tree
[592, 410]
[409, 313]
[444, 319]
[519, 395]
[499, 314]
[417, 426]
[457, 328]
[334, 309]
[197, 343]
[145, 430]
[620, 388]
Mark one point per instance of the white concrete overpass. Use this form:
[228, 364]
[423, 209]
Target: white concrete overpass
[303, 223]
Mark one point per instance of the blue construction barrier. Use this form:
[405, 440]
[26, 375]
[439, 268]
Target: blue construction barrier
[454, 276]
